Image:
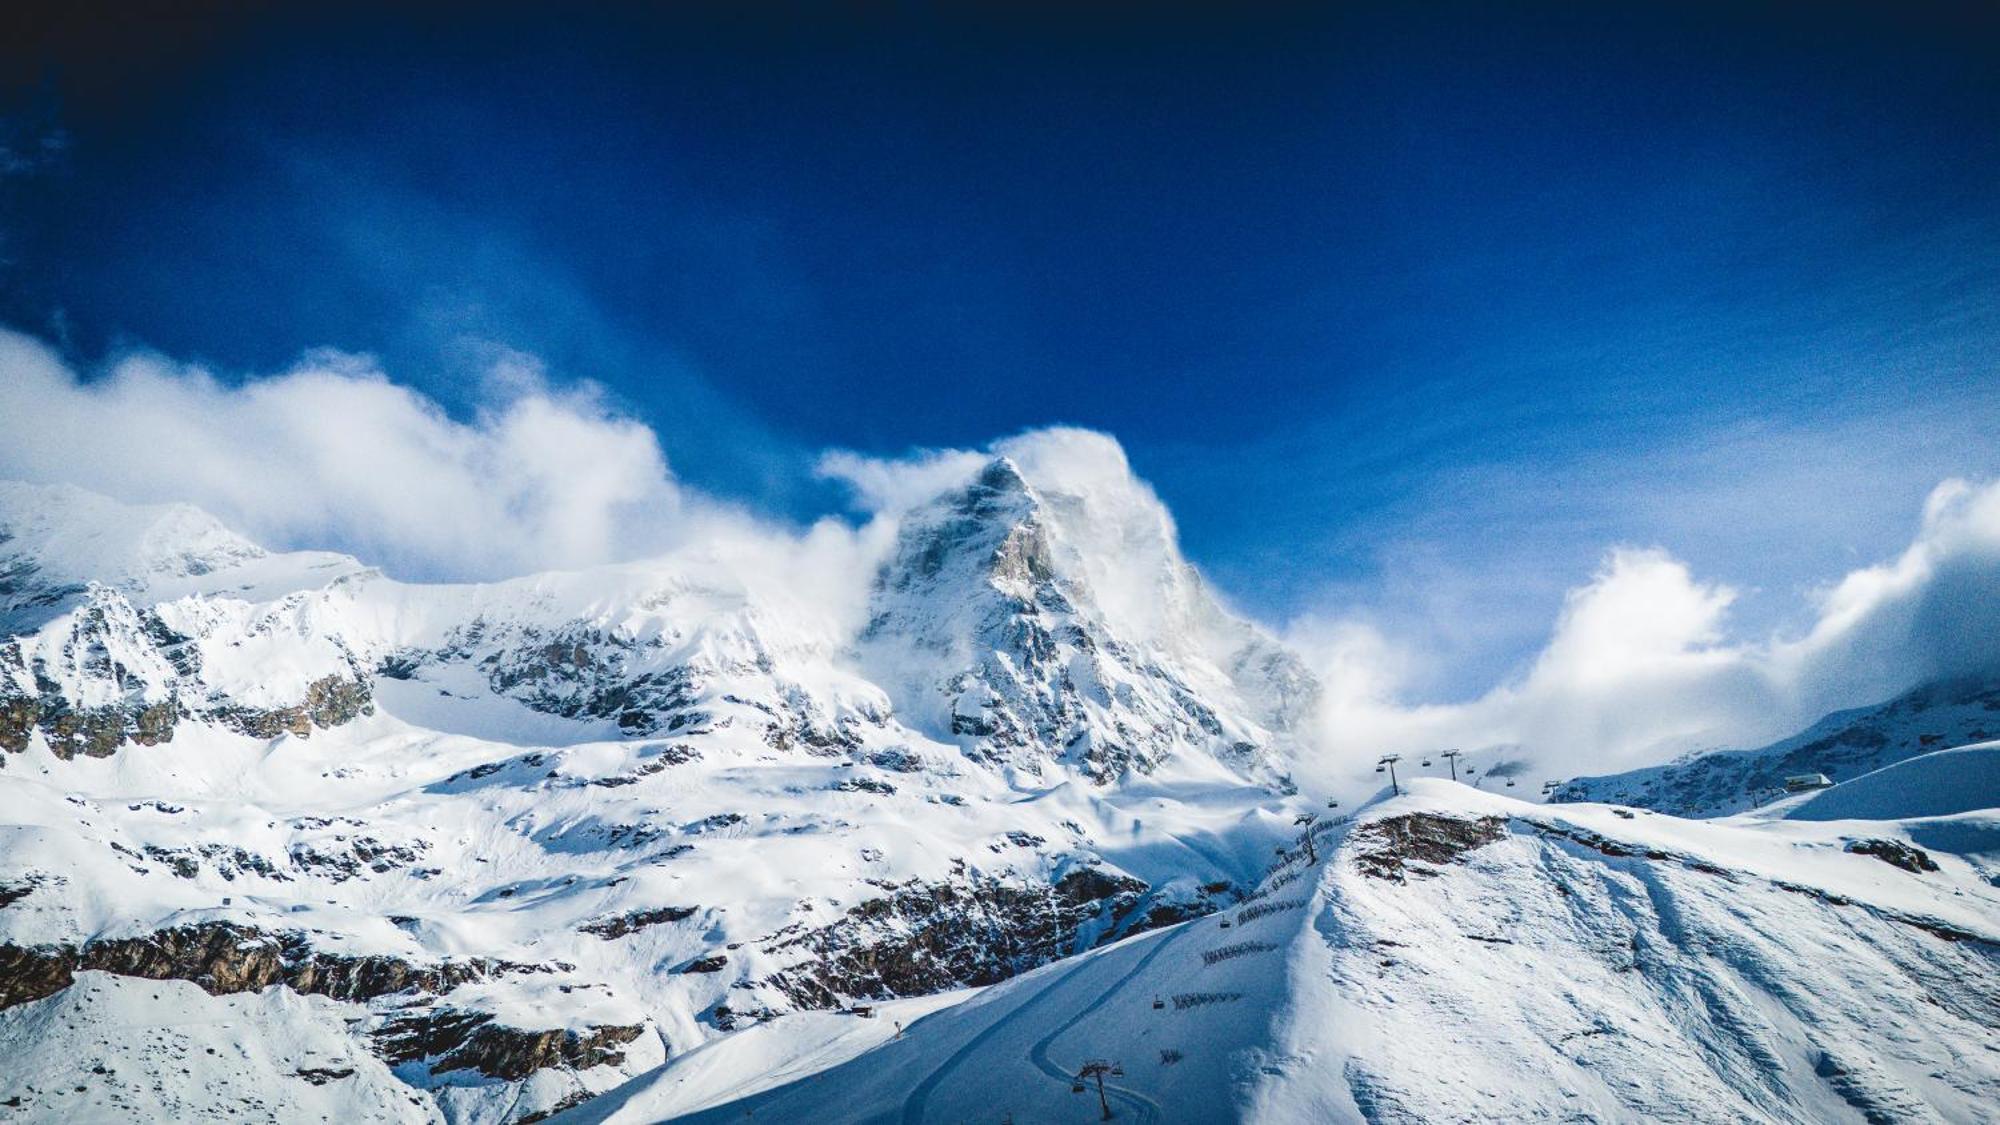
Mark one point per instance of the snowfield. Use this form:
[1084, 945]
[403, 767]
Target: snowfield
[1938, 784]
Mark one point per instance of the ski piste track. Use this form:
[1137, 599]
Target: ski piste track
[1142, 1109]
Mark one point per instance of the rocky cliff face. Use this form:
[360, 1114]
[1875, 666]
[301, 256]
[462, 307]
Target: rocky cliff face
[223, 958]
[929, 937]
[448, 1039]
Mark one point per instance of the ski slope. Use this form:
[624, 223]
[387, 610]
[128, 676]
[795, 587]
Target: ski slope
[1584, 963]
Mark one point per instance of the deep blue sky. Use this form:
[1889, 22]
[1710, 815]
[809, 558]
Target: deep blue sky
[1409, 312]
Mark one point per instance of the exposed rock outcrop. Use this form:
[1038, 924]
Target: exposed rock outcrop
[109, 678]
[457, 1039]
[224, 958]
[1386, 848]
[111, 674]
[1895, 853]
[619, 926]
[579, 671]
[329, 702]
[33, 972]
[928, 937]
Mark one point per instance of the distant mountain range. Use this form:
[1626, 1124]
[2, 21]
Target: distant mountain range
[1844, 745]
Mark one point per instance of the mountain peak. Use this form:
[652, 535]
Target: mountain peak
[1001, 475]
[1045, 616]
[86, 533]
[57, 539]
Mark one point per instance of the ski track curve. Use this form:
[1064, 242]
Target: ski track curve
[1146, 1109]
[915, 1104]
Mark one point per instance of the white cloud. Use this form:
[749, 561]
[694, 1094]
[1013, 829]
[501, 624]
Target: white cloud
[890, 486]
[332, 453]
[1643, 615]
[1640, 666]
[1933, 611]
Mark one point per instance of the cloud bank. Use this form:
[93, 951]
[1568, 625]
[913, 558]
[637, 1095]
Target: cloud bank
[1640, 664]
[332, 453]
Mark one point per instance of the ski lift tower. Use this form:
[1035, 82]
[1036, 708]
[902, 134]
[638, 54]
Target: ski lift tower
[1097, 1068]
[1453, 756]
[1388, 762]
[1306, 821]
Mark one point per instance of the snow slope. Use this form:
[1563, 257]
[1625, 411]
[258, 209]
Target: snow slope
[1941, 783]
[1460, 956]
[57, 539]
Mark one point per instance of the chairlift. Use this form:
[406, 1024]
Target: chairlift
[1225, 923]
[1076, 1087]
[1427, 761]
[1333, 804]
[1379, 769]
[1510, 783]
[1158, 1003]
[1117, 1071]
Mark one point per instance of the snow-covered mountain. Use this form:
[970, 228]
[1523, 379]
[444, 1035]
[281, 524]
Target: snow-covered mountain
[1843, 745]
[285, 838]
[478, 851]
